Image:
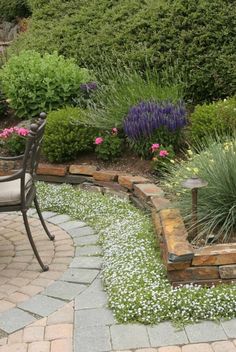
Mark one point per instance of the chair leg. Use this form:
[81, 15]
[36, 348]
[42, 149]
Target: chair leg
[50, 236]
[44, 267]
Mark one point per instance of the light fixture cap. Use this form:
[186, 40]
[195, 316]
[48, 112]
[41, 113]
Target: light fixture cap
[194, 182]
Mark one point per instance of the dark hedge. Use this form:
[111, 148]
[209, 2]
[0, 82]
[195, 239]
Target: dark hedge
[196, 37]
[11, 9]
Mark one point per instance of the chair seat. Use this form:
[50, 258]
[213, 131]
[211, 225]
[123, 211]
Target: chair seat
[10, 191]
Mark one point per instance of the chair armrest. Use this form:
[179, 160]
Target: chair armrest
[8, 158]
[12, 177]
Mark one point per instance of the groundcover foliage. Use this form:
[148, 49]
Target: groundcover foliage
[133, 274]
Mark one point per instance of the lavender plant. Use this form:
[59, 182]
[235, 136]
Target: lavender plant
[149, 122]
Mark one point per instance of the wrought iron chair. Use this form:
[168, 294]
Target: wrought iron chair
[17, 191]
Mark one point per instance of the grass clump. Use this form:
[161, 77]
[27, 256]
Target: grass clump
[133, 274]
[121, 89]
[215, 163]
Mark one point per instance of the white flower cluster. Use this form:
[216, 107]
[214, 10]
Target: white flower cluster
[133, 274]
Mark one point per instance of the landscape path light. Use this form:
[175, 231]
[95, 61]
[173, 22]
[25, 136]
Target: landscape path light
[194, 183]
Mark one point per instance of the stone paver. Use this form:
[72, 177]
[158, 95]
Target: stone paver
[86, 263]
[205, 332]
[81, 276]
[91, 299]
[230, 328]
[88, 250]
[170, 349]
[85, 324]
[94, 339]
[199, 347]
[224, 346]
[41, 305]
[64, 290]
[165, 334]
[129, 336]
[81, 232]
[93, 317]
[14, 319]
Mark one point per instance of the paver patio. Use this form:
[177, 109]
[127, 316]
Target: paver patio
[65, 309]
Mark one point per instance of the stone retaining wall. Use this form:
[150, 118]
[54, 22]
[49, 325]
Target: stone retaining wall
[207, 265]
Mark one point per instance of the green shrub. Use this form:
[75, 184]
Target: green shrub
[217, 202]
[9, 10]
[216, 118]
[195, 37]
[35, 83]
[109, 146]
[66, 135]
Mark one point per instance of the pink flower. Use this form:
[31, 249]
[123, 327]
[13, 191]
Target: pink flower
[163, 153]
[114, 130]
[22, 131]
[154, 147]
[7, 132]
[98, 140]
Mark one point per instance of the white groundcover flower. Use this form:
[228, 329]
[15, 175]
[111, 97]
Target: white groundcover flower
[133, 274]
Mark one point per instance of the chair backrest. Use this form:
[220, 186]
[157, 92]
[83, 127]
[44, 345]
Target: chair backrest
[33, 145]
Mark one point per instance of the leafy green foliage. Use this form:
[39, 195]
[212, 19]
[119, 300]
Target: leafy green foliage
[217, 202]
[211, 119]
[133, 273]
[36, 83]
[66, 135]
[110, 148]
[197, 38]
[9, 10]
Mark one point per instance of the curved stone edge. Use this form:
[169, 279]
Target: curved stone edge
[82, 272]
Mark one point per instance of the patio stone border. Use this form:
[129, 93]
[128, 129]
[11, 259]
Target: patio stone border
[82, 271]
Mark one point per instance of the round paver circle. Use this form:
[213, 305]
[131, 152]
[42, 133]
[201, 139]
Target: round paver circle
[21, 276]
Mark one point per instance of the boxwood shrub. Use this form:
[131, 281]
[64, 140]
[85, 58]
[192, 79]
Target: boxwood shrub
[66, 135]
[213, 119]
[36, 83]
[197, 38]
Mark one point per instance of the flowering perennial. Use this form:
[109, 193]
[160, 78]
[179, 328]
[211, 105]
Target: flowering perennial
[88, 87]
[20, 131]
[98, 140]
[133, 274]
[146, 117]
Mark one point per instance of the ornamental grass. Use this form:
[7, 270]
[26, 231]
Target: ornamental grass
[215, 162]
